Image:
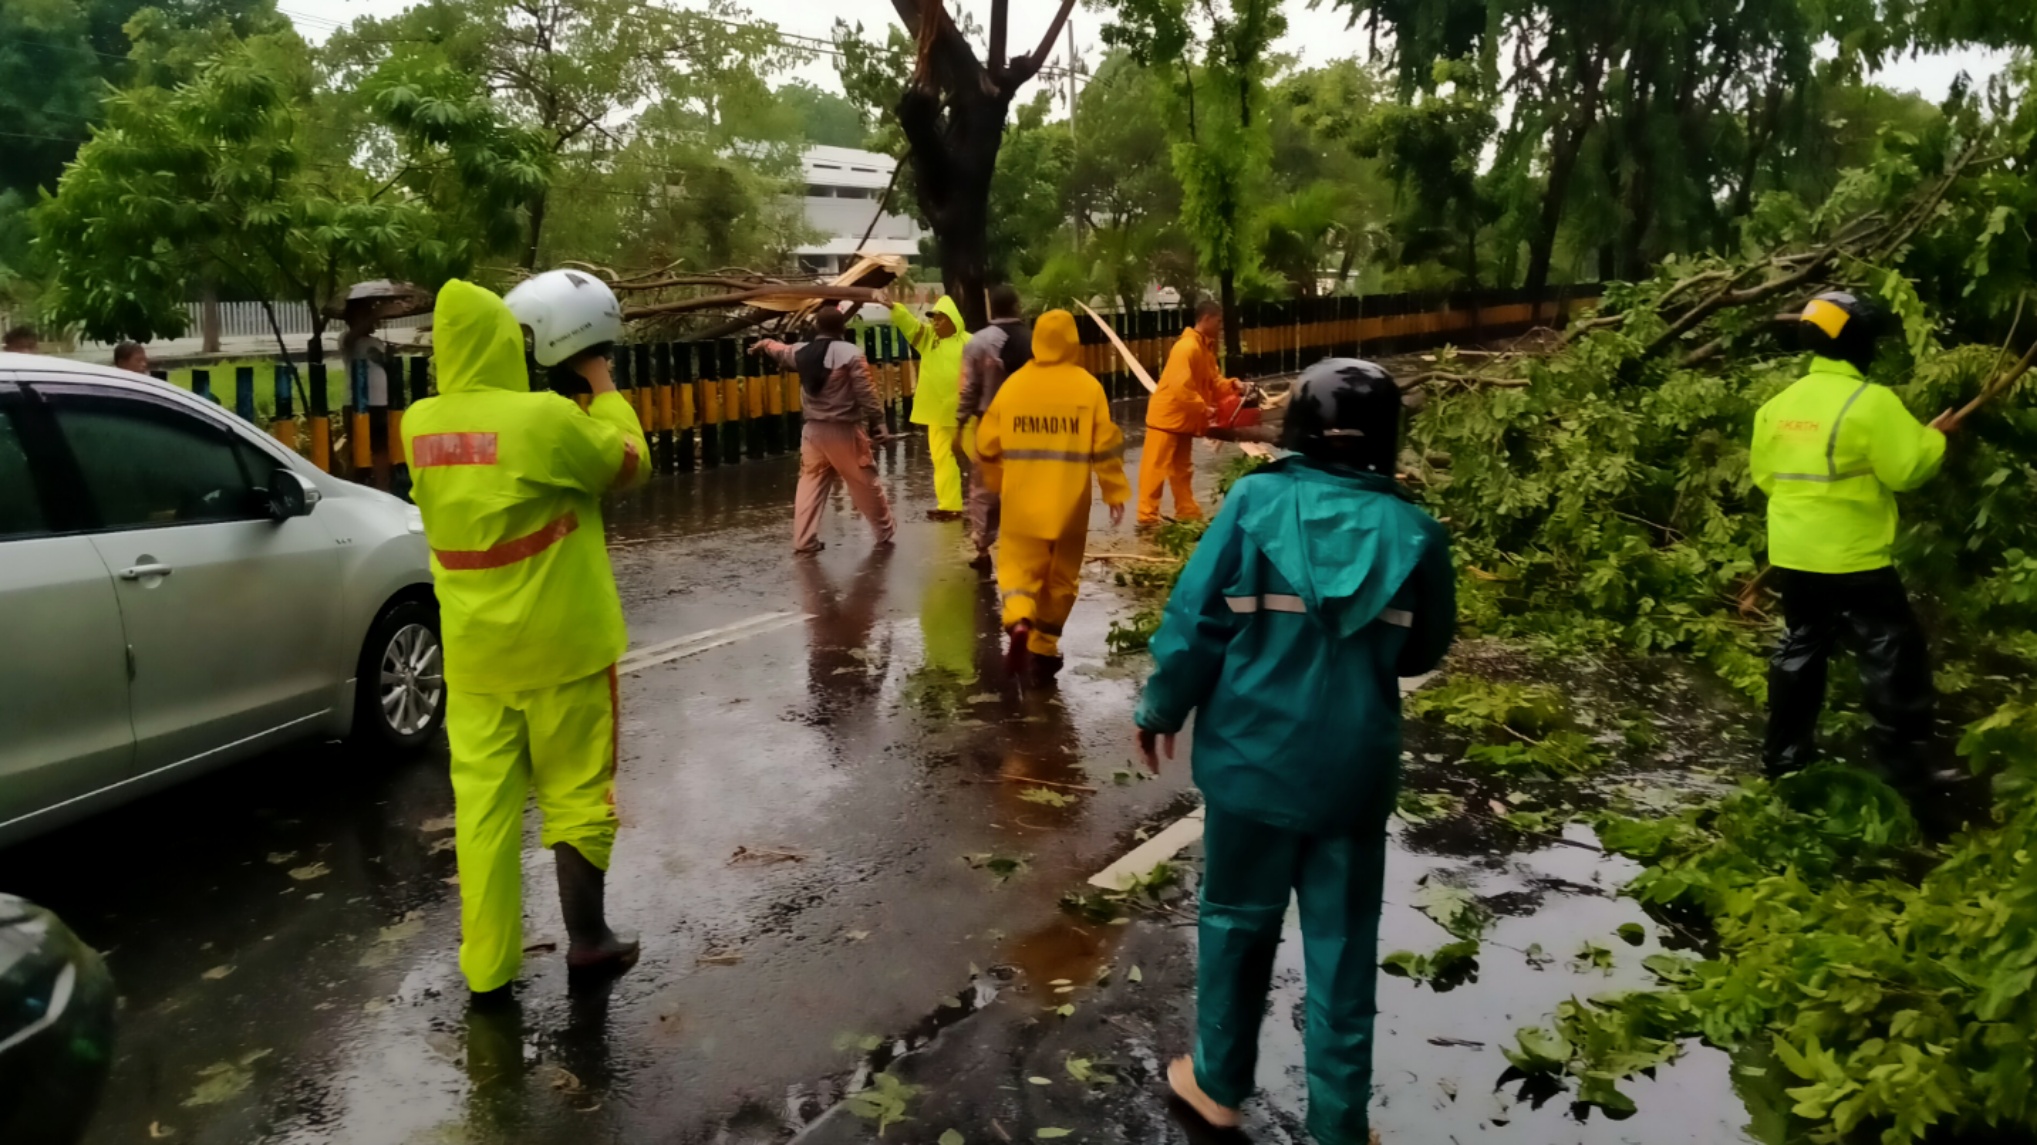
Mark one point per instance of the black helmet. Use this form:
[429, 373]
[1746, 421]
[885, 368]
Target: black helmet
[56, 1026]
[1844, 327]
[1346, 411]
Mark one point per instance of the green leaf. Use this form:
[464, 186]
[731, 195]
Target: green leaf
[1050, 1133]
[1632, 933]
[1453, 908]
[1044, 795]
[952, 1137]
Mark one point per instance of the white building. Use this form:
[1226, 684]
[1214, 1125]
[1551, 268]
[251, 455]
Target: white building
[843, 187]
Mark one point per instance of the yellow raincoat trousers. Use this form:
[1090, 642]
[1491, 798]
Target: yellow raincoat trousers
[510, 484]
[939, 392]
[1041, 440]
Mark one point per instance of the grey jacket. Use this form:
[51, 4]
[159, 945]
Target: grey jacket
[848, 395]
[983, 368]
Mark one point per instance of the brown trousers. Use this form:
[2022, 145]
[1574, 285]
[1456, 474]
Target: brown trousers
[833, 454]
[983, 509]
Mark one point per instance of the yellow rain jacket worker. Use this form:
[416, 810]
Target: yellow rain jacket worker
[1178, 412]
[939, 343]
[1043, 437]
[510, 484]
[1831, 452]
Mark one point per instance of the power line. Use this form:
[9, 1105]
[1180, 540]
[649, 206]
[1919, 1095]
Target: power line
[44, 138]
[61, 48]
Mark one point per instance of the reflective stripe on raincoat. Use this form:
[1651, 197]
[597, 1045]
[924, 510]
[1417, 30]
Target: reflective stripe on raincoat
[510, 485]
[1315, 589]
[939, 391]
[1831, 452]
[1189, 388]
[1045, 433]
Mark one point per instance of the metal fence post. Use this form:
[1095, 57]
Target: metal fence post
[732, 401]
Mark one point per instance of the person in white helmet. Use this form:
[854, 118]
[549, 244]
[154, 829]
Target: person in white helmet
[510, 484]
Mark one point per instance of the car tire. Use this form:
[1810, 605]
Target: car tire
[400, 685]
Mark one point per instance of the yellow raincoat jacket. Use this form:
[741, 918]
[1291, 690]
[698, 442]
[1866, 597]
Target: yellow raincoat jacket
[1047, 433]
[1189, 388]
[1043, 437]
[1831, 452]
[940, 365]
[510, 484]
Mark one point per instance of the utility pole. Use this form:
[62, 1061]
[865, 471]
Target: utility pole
[1076, 221]
[1071, 81]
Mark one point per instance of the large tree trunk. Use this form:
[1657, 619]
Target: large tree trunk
[952, 113]
[954, 162]
[537, 230]
[208, 316]
[1564, 151]
[1227, 293]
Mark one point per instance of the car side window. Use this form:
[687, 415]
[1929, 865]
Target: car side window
[147, 465]
[21, 510]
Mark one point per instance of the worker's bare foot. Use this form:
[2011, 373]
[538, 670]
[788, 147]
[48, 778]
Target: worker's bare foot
[1181, 1079]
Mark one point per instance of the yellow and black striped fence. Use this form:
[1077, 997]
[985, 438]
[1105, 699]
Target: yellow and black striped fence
[709, 403]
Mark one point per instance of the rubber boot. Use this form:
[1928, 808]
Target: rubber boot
[1044, 669]
[593, 950]
[1016, 656]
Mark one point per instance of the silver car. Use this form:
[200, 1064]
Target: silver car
[179, 591]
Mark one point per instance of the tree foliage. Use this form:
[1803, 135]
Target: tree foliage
[1218, 68]
[1601, 499]
[652, 96]
[216, 179]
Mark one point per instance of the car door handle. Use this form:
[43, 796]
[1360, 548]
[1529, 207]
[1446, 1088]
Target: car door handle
[140, 571]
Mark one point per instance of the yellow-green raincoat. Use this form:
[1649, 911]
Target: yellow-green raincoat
[938, 393]
[510, 485]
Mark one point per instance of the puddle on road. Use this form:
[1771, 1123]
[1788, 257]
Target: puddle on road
[1556, 932]
[1556, 925]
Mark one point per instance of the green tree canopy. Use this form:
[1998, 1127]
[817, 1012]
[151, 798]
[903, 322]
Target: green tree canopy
[216, 179]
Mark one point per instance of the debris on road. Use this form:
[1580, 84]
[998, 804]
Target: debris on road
[763, 856]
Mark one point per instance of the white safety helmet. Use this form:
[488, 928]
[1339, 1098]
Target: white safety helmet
[567, 311]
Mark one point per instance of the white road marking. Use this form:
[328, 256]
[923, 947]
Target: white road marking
[655, 654]
[1176, 836]
[1151, 853]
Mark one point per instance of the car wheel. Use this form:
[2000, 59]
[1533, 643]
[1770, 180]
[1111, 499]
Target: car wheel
[400, 696]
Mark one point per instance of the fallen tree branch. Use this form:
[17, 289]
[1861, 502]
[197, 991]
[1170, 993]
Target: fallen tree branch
[788, 292]
[1999, 385]
[1010, 778]
[1465, 380]
[1132, 557]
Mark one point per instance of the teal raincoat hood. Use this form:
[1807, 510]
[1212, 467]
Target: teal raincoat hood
[1344, 548]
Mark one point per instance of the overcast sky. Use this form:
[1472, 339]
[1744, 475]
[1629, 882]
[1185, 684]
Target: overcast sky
[1316, 36]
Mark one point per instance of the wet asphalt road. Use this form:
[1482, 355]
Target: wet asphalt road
[284, 932]
[799, 792]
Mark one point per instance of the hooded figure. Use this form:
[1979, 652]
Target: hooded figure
[1315, 589]
[1045, 436]
[938, 394]
[510, 485]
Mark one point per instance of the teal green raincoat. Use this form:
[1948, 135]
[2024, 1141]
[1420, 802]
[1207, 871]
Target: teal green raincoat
[1312, 593]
